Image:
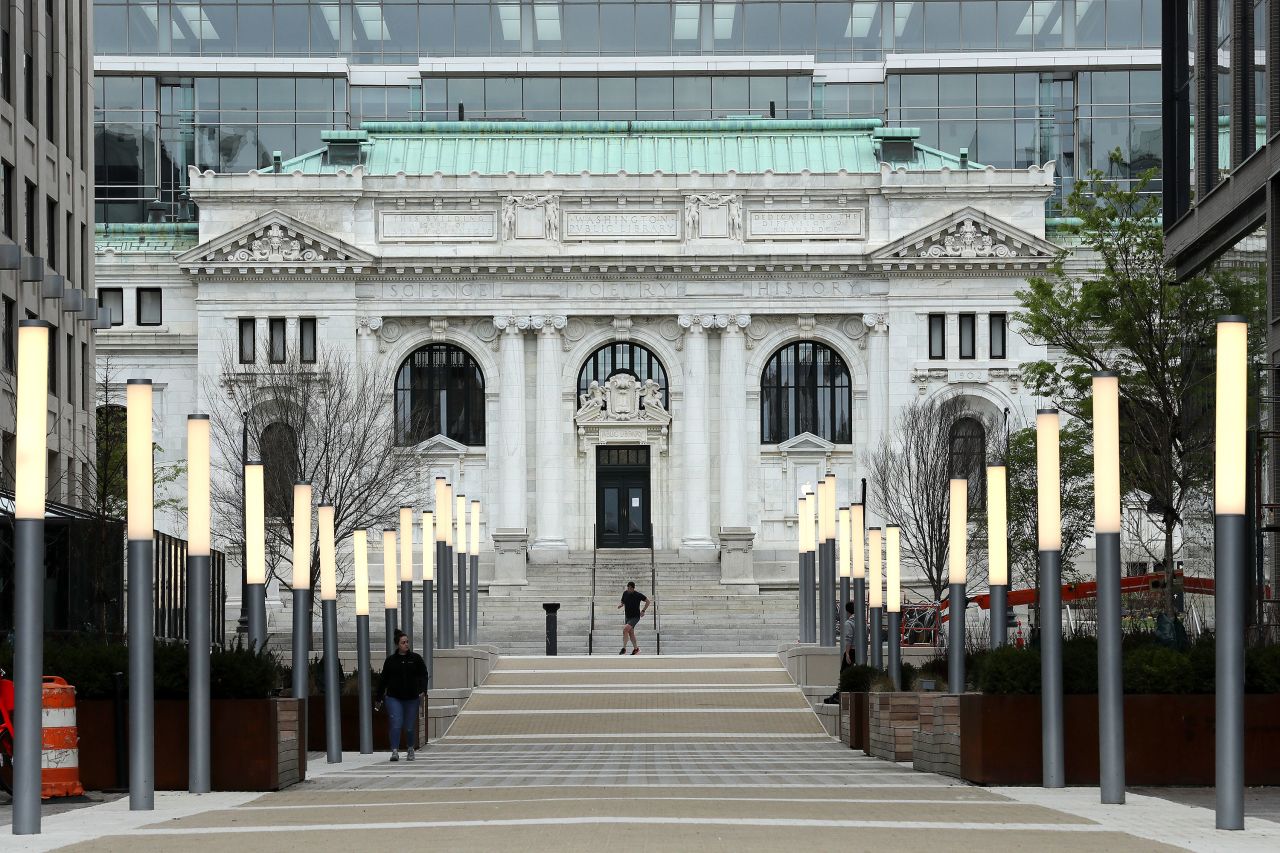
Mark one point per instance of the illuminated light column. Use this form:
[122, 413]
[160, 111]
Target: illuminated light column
[428, 592]
[444, 562]
[390, 592]
[360, 555]
[460, 551]
[1106, 526]
[808, 535]
[406, 572]
[141, 598]
[875, 596]
[30, 484]
[893, 600]
[826, 559]
[843, 563]
[958, 564]
[1230, 566]
[473, 559]
[199, 514]
[255, 553]
[329, 625]
[858, 573]
[301, 589]
[998, 552]
[1049, 533]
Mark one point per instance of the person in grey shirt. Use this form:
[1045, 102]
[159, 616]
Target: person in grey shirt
[846, 643]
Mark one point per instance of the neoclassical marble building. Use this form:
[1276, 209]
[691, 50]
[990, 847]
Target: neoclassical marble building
[618, 334]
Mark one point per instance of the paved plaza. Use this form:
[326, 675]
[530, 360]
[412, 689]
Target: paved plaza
[639, 753]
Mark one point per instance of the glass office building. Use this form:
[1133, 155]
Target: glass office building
[222, 84]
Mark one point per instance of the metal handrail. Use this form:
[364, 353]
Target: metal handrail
[653, 588]
[591, 617]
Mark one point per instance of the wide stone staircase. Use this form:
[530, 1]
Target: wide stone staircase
[695, 613]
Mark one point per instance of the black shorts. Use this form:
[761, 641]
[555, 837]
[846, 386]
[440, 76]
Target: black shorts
[633, 621]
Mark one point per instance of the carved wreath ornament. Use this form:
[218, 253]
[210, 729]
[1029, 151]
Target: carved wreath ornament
[274, 245]
[968, 241]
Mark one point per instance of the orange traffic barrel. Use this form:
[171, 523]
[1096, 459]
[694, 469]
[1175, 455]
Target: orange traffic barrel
[60, 741]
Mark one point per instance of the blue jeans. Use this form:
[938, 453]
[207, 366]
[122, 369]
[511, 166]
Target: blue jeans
[402, 715]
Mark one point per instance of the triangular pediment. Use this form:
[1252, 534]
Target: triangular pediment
[968, 238]
[274, 240]
[441, 445]
[806, 442]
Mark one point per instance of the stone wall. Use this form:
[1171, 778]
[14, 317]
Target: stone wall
[893, 722]
[936, 743]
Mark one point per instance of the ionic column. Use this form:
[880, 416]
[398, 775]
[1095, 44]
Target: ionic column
[512, 466]
[549, 455]
[694, 427]
[733, 422]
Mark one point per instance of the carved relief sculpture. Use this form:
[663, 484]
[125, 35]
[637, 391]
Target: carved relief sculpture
[968, 240]
[693, 205]
[274, 245]
[551, 212]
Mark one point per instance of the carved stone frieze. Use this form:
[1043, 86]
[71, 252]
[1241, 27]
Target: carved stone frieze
[274, 239]
[724, 221]
[511, 225]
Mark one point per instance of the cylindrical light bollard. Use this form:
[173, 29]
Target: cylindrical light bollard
[406, 573]
[958, 564]
[998, 552]
[390, 592]
[255, 553]
[141, 604]
[804, 531]
[1049, 534]
[858, 574]
[1106, 497]
[1230, 529]
[875, 596]
[826, 561]
[808, 567]
[444, 563]
[551, 608]
[28, 552]
[329, 620]
[460, 554]
[893, 600]
[473, 560]
[428, 590]
[844, 544]
[302, 592]
[360, 548]
[199, 759]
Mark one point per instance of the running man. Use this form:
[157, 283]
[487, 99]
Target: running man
[634, 613]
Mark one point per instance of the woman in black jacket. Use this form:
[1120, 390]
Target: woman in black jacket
[403, 680]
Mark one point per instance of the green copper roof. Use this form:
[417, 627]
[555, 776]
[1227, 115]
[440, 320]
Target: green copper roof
[147, 236]
[744, 146]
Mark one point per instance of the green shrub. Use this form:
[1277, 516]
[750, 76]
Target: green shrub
[1262, 670]
[909, 676]
[856, 678]
[241, 673]
[1080, 665]
[1011, 671]
[1156, 669]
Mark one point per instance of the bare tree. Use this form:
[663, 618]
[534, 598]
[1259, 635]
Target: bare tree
[327, 422]
[910, 474]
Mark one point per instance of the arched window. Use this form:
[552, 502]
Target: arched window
[623, 357]
[805, 388]
[278, 452]
[969, 457]
[440, 391]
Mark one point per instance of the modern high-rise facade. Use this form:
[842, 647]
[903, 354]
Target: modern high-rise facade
[46, 210]
[222, 84]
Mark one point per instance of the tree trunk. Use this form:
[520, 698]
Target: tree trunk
[1169, 522]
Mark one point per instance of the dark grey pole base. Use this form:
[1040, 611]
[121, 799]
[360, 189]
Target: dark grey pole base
[808, 582]
[406, 611]
[366, 685]
[844, 608]
[877, 645]
[444, 594]
[895, 649]
[1230, 567]
[999, 615]
[301, 643]
[428, 632]
[860, 614]
[1110, 671]
[955, 637]
[199, 757]
[28, 663]
[256, 598]
[462, 598]
[389, 622]
[332, 682]
[826, 592]
[473, 597]
[802, 616]
[1051, 739]
[551, 608]
[141, 630]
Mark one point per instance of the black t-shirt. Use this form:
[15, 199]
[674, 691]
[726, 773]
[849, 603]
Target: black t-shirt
[631, 602]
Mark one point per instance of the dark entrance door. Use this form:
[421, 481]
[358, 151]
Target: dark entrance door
[622, 496]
